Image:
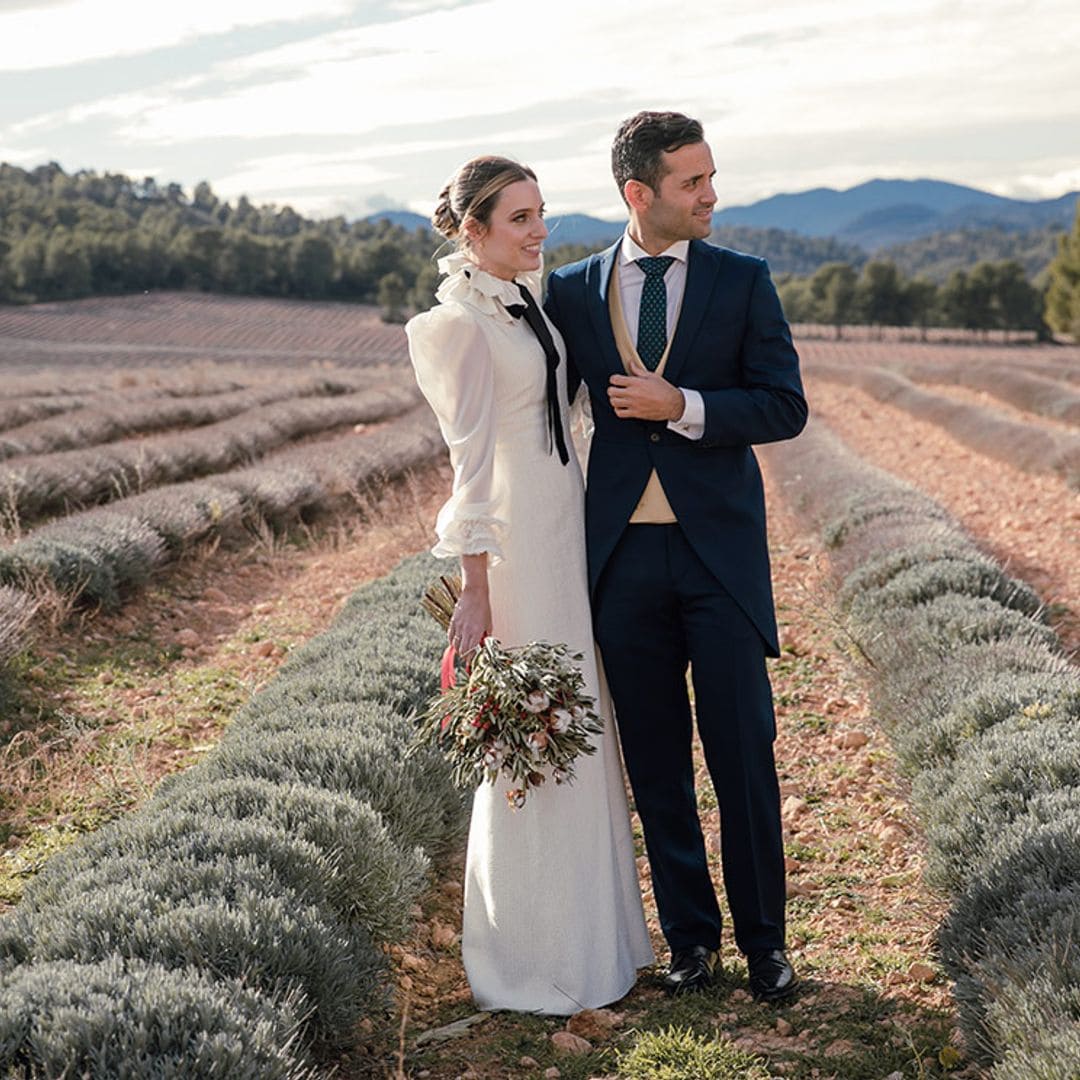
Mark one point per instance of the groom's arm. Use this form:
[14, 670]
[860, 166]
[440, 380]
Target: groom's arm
[551, 308]
[769, 405]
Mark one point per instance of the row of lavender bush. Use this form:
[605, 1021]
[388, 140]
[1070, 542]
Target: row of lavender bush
[25, 398]
[984, 712]
[1024, 389]
[1028, 446]
[234, 926]
[119, 417]
[31, 487]
[99, 555]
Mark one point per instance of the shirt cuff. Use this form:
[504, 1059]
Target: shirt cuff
[691, 424]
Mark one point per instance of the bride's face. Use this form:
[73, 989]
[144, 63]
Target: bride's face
[513, 238]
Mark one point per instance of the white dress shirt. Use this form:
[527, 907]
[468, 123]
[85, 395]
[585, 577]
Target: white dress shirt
[631, 279]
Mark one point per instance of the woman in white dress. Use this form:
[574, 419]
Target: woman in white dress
[553, 920]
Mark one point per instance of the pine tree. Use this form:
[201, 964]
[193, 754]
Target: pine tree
[1063, 292]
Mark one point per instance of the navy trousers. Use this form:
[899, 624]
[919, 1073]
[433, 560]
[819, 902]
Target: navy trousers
[658, 609]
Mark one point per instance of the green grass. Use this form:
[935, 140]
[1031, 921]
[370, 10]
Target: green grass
[676, 1053]
[80, 757]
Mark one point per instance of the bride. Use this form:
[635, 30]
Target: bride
[553, 921]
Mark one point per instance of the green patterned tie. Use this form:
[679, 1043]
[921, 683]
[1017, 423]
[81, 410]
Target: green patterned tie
[652, 316]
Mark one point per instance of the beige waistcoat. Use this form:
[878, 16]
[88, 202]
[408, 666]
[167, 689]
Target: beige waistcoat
[653, 507]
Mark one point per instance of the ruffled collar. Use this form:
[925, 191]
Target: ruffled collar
[468, 284]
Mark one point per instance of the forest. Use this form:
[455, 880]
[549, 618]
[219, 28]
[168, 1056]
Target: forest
[87, 234]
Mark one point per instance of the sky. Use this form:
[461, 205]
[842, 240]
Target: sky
[351, 106]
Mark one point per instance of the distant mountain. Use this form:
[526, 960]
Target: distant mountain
[405, 218]
[926, 226]
[884, 212]
[583, 229]
[565, 229]
[787, 252]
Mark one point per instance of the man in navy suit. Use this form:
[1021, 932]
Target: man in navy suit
[688, 361]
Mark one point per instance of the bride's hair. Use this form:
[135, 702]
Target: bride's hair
[472, 193]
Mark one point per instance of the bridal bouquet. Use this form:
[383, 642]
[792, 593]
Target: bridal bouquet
[520, 712]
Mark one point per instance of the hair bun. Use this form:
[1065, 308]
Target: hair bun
[472, 192]
[444, 219]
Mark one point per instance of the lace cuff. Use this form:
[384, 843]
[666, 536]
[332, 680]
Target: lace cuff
[469, 531]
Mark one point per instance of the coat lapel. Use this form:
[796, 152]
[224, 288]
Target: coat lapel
[597, 283]
[702, 269]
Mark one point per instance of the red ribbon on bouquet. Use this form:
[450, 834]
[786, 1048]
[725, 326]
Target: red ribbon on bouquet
[446, 674]
[447, 671]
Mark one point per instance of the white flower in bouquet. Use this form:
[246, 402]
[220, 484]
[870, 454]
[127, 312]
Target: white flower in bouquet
[537, 740]
[536, 702]
[561, 719]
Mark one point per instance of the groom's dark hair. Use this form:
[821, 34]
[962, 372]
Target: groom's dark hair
[640, 143]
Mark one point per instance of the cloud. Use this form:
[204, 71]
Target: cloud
[388, 101]
[1048, 185]
[26, 157]
[75, 31]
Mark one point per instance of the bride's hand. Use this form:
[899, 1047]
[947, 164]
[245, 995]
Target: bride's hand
[471, 621]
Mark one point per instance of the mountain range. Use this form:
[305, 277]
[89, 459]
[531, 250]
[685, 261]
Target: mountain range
[880, 213]
[869, 218]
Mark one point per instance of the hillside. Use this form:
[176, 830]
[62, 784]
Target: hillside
[935, 256]
[883, 212]
[926, 227]
[86, 234]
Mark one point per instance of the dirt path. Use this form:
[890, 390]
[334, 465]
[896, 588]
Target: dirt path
[861, 924]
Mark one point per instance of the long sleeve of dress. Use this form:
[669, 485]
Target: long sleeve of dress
[452, 360]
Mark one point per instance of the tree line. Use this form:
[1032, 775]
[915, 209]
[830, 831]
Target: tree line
[989, 296]
[66, 236]
[1063, 290]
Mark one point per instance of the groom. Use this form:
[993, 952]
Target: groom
[688, 361]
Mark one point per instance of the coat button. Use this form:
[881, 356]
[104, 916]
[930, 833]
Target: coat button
[655, 436]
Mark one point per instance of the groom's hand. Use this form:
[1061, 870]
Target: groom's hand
[645, 396]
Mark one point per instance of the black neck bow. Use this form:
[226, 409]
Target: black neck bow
[535, 318]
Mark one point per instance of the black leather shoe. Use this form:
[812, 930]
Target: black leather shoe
[691, 969]
[772, 978]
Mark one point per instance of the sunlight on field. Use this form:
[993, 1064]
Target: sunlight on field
[192, 487]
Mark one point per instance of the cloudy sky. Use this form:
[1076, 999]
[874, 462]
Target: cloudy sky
[346, 106]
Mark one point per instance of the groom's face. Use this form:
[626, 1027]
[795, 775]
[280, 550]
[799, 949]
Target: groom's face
[682, 208]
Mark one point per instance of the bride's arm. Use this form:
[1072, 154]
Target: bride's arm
[453, 368]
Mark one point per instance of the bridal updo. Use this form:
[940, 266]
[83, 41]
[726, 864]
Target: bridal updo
[472, 193]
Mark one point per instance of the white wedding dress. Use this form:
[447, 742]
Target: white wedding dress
[553, 919]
